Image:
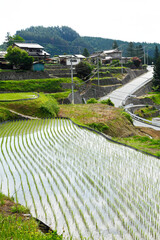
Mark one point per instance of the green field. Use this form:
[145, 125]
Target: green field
[17, 96]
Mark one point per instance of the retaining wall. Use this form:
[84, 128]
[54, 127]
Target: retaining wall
[96, 91]
[23, 75]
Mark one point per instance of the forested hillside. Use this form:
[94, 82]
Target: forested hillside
[56, 40]
[64, 40]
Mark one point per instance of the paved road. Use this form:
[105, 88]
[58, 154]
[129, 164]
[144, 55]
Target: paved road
[142, 124]
[120, 94]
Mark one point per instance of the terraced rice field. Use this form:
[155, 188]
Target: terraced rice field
[78, 182]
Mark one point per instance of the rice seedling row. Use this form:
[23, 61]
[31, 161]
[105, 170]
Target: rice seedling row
[80, 183]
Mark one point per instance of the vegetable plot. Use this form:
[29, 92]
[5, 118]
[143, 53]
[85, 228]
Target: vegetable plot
[78, 182]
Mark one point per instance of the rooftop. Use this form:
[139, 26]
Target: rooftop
[29, 45]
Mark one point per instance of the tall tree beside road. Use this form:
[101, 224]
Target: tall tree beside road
[139, 51]
[156, 76]
[131, 50]
[156, 54]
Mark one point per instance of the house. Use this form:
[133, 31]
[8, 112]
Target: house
[3, 62]
[71, 59]
[2, 55]
[107, 56]
[35, 50]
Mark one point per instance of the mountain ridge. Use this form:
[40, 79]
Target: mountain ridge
[64, 40]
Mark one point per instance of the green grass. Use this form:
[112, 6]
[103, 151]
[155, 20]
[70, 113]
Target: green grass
[19, 209]
[16, 96]
[142, 143]
[60, 95]
[50, 85]
[42, 107]
[6, 115]
[14, 226]
[146, 112]
[155, 96]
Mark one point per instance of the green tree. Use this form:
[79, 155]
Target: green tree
[139, 51]
[136, 61]
[11, 39]
[114, 45]
[85, 52]
[156, 75]
[156, 54]
[19, 58]
[130, 50]
[83, 70]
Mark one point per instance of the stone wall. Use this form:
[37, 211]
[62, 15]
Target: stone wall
[97, 91]
[106, 81]
[131, 74]
[13, 75]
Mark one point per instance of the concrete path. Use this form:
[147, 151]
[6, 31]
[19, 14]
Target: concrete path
[119, 95]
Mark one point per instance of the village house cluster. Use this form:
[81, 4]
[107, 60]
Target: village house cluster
[37, 51]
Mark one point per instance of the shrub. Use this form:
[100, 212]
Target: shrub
[108, 102]
[92, 100]
[19, 58]
[83, 70]
[19, 209]
[101, 127]
[127, 115]
[49, 108]
[136, 61]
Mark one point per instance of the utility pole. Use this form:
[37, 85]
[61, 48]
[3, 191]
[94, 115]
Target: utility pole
[144, 56]
[72, 81]
[98, 69]
[121, 64]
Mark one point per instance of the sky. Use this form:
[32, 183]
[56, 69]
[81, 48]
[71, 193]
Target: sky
[132, 21]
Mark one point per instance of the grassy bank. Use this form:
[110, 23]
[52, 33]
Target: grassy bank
[17, 96]
[115, 123]
[50, 85]
[42, 107]
[155, 96]
[15, 225]
[143, 143]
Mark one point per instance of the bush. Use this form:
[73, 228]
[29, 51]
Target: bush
[83, 70]
[49, 108]
[136, 61]
[101, 127]
[108, 102]
[92, 100]
[19, 58]
[127, 115]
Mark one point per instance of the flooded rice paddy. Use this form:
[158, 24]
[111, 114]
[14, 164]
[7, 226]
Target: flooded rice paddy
[78, 182]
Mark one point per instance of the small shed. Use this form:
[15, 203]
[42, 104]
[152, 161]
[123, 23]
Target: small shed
[38, 66]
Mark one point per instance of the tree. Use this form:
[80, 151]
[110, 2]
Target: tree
[139, 51]
[19, 58]
[156, 75]
[83, 70]
[130, 50]
[156, 54]
[136, 61]
[10, 40]
[114, 45]
[85, 52]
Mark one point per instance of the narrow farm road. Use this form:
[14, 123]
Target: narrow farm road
[23, 116]
[119, 95]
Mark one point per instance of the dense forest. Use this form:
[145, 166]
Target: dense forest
[64, 40]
